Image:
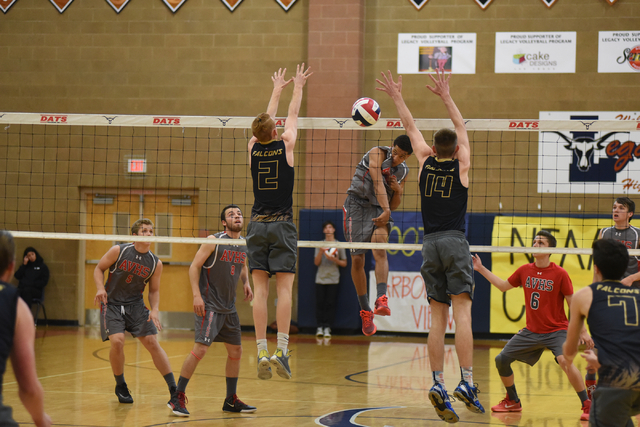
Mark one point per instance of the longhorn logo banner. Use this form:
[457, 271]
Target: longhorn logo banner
[6, 4]
[483, 3]
[286, 4]
[117, 5]
[231, 4]
[61, 5]
[418, 3]
[174, 5]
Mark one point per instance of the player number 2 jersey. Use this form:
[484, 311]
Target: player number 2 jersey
[220, 274]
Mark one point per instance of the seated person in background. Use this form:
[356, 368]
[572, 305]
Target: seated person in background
[33, 275]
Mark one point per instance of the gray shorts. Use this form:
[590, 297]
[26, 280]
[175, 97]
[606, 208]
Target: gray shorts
[217, 327]
[527, 346]
[357, 221]
[6, 415]
[447, 268]
[133, 318]
[272, 246]
[614, 406]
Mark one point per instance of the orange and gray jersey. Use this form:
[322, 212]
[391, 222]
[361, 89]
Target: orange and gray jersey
[129, 275]
[362, 185]
[220, 274]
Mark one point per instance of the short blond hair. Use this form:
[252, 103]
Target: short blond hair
[262, 127]
[136, 225]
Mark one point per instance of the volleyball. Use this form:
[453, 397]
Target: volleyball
[331, 251]
[365, 112]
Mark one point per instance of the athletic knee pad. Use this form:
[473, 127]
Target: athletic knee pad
[503, 364]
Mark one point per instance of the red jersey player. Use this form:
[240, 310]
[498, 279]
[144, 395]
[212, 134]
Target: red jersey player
[546, 287]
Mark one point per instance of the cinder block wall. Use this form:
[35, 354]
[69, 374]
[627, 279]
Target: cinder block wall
[205, 60]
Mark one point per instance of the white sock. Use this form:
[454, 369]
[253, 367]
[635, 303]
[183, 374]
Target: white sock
[262, 345]
[283, 342]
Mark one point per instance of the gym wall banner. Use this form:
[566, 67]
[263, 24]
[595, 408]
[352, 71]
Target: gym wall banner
[425, 52]
[508, 308]
[536, 52]
[619, 52]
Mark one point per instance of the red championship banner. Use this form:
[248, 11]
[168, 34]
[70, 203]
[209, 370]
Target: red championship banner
[6, 4]
[61, 5]
[117, 5]
[418, 3]
[483, 3]
[231, 4]
[549, 3]
[174, 5]
[286, 4]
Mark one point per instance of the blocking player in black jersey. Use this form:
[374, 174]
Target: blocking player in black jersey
[447, 267]
[611, 310]
[131, 267]
[214, 274]
[17, 336]
[376, 190]
[272, 236]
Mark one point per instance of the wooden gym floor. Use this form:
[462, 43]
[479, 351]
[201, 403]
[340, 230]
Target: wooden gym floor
[344, 381]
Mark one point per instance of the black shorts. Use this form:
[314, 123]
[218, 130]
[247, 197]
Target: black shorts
[527, 346]
[217, 327]
[613, 406]
[272, 246]
[133, 318]
[447, 268]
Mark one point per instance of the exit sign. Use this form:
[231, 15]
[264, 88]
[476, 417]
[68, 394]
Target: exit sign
[137, 166]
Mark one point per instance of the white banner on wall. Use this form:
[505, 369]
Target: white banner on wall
[410, 309]
[619, 52]
[426, 52]
[589, 162]
[539, 52]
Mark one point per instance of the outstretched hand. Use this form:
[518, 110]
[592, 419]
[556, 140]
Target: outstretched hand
[301, 75]
[441, 83]
[278, 79]
[389, 86]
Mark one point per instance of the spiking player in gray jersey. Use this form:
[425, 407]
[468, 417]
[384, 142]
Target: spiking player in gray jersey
[376, 190]
[131, 267]
[214, 275]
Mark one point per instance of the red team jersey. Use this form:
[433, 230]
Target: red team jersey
[544, 292]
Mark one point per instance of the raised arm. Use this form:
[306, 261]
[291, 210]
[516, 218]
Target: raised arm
[420, 147]
[279, 83]
[194, 275]
[291, 125]
[499, 283]
[441, 88]
[23, 360]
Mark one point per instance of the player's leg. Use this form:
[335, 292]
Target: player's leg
[280, 359]
[232, 371]
[381, 235]
[178, 402]
[435, 346]
[159, 357]
[112, 327]
[590, 380]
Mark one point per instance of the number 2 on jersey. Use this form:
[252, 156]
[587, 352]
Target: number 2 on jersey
[268, 175]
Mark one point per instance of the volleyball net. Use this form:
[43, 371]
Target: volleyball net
[89, 177]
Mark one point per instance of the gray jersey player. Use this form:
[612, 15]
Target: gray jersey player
[131, 267]
[214, 275]
[376, 189]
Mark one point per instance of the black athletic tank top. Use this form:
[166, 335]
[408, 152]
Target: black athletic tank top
[129, 275]
[8, 311]
[443, 197]
[614, 325]
[273, 180]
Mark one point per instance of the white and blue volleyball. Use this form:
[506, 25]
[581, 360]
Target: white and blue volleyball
[365, 112]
